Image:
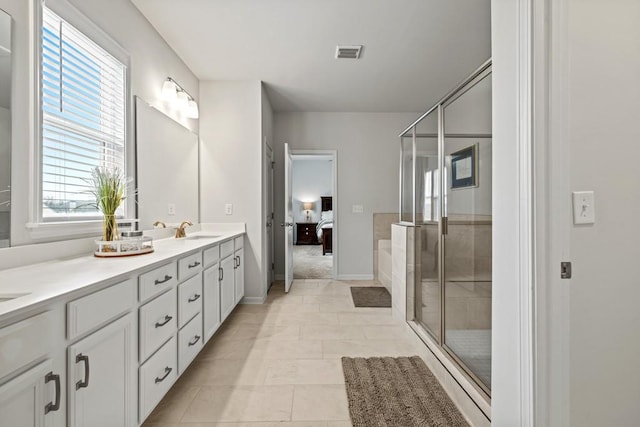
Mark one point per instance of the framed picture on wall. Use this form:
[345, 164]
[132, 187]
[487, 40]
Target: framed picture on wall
[464, 167]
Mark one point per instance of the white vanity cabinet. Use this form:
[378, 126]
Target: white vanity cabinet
[101, 367]
[106, 353]
[227, 286]
[211, 303]
[32, 392]
[238, 243]
[102, 377]
[31, 399]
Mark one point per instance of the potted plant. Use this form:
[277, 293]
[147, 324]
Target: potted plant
[109, 189]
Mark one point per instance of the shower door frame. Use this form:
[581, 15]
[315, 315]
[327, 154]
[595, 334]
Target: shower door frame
[484, 71]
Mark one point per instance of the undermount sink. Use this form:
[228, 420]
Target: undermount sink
[9, 297]
[202, 236]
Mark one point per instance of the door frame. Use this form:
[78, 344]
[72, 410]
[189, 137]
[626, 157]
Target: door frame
[530, 379]
[268, 199]
[334, 171]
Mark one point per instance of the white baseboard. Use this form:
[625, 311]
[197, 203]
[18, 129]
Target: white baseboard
[253, 300]
[355, 277]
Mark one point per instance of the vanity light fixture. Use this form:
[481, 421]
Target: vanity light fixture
[180, 98]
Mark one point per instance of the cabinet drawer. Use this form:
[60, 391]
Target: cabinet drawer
[25, 341]
[157, 281]
[226, 249]
[239, 242]
[189, 265]
[211, 256]
[189, 342]
[87, 313]
[189, 299]
[157, 323]
[157, 376]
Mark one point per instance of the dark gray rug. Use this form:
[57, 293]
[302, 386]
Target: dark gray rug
[397, 392]
[370, 296]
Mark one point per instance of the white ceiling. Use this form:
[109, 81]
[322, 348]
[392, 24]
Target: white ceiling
[414, 50]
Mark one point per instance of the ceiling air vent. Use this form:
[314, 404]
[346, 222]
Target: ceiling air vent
[348, 52]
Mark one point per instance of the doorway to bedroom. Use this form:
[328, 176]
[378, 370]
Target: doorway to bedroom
[312, 191]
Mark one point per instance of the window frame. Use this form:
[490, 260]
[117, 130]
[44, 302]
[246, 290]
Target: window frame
[40, 229]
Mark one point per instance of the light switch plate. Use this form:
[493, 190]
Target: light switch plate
[584, 211]
[228, 209]
[357, 209]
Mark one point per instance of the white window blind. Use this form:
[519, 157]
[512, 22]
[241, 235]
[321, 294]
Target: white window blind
[83, 118]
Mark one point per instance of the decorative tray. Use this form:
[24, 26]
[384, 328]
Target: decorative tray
[124, 247]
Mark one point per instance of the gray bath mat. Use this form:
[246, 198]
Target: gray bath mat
[370, 296]
[397, 392]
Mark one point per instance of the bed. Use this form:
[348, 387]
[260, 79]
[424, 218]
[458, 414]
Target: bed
[325, 225]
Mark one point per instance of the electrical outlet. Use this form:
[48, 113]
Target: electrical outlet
[228, 209]
[584, 211]
[171, 209]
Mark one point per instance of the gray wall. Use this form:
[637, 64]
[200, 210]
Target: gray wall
[604, 107]
[231, 165]
[368, 167]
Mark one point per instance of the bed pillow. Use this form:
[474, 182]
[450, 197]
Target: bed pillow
[327, 215]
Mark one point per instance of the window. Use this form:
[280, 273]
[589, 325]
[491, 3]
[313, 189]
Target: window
[83, 97]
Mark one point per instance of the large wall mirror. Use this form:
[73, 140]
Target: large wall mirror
[166, 168]
[5, 128]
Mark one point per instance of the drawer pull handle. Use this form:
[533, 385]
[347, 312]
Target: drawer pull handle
[195, 340]
[167, 319]
[194, 265]
[165, 280]
[82, 358]
[194, 298]
[221, 274]
[53, 406]
[167, 371]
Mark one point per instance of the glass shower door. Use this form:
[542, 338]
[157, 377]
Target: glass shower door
[467, 233]
[428, 298]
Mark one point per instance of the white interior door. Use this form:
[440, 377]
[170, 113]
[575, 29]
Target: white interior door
[288, 220]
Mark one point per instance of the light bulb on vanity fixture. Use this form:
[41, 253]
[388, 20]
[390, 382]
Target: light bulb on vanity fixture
[179, 98]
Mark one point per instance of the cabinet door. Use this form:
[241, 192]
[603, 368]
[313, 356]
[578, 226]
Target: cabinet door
[239, 274]
[102, 377]
[227, 287]
[211, 303]
[30, 399]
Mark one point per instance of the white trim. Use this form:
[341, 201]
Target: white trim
[355, 277]
[552, 237]
[513, 344]
[334, 157]
[253, 300]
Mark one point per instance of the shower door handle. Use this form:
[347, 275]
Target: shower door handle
[445, 225]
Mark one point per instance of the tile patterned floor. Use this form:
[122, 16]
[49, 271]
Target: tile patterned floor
[278, 364]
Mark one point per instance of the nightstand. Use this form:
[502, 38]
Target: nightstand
[306, 233]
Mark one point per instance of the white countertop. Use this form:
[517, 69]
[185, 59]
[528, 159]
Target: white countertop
[47, 281]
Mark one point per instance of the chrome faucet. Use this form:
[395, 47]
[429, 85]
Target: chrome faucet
[180, 231]
[157, 223]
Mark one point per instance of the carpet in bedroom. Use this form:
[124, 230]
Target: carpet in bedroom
[309, 263]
